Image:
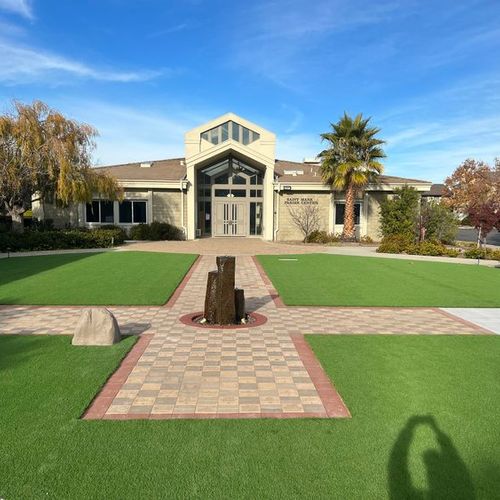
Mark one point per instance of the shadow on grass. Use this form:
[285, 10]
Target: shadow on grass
[17, 268]
[14, 351]
[447, 475]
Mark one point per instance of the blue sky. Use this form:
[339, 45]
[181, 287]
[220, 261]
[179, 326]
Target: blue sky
[143, 72]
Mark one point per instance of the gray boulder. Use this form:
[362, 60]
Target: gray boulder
[96, 326]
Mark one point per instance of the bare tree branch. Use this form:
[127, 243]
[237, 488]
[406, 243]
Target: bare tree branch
[306, 218]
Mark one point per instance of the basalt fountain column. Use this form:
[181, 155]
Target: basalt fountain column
[224, 304]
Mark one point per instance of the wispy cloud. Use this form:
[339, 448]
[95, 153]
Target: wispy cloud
[24, 64]
[286, 41]
[168, 31]
[158, 133]
[20, 7]
[434, 149]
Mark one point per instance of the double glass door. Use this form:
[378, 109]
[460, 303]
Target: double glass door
[230, 218]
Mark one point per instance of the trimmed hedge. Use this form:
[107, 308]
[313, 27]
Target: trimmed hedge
[401, 243]
[482, 253]
[61, 240]
[322, 237]
[156, 231]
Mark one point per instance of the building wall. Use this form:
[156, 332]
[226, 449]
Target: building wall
[167, 207]
[373, 214]
[289, 202]
[62, 216]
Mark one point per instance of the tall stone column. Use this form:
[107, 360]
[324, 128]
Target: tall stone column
[226, 309]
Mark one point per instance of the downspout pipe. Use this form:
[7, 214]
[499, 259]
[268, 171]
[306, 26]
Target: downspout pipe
[277, 208]
[183, 227]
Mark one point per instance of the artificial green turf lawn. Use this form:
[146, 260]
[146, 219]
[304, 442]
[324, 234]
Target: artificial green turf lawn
[338, 280]
[107, 278]
[391, 385]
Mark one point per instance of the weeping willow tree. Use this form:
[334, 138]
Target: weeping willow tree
[351, 162]
[44, 153]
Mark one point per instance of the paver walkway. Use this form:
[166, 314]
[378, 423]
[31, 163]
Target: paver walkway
[179, 371]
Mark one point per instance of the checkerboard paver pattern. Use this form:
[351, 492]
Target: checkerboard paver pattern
[186, 371]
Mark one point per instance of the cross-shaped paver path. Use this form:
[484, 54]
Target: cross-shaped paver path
[181, 371]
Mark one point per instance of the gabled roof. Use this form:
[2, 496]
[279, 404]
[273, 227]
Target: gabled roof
[174, 169]
[435, 190]
[311, 173]
[161, 170]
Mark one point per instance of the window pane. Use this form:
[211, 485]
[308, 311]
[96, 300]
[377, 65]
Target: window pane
[222, 179]
[125, 212]
[208, 217]
[107, 212]
[239, 193]
[236, 132]
[239, 179]
[339, 213]
[225, 131]
[204, 136]
[357, 213]
[139, 208]
[221, 192]
[246, 136]
[214, 135]
[255, 218]
[92, 212]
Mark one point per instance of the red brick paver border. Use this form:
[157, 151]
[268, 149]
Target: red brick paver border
[105, 397]
[331, 399]
[178, 291]
[265, 278]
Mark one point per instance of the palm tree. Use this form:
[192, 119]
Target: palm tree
[351, 162]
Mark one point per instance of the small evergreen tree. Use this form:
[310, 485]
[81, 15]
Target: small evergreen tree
[440, 223]
[399, 214]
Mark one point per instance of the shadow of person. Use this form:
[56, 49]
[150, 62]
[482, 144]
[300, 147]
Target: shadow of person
[447, 475]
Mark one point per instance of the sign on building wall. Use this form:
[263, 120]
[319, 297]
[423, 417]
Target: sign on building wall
[296, 200]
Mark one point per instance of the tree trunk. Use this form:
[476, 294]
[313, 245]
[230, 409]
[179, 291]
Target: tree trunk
[17, 215]
[349, 232]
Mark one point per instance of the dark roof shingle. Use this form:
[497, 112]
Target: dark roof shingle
[161, 170]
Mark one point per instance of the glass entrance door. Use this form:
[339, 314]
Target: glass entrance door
[230, 218]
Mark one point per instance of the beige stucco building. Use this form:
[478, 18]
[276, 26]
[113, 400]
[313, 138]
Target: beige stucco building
[229, 184]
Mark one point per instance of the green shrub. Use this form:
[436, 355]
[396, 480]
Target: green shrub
[322, 237]
[440, 222]
[430, 248]
[60, 240]
[140, 232]
[121, 234]
[400, 243]
[396, 243]
[366, 240]
[482, 253]
[42, 225]
[475, 253]
[398, 215]
[156, 231]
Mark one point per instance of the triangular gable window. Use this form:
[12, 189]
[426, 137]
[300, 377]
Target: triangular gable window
[232, 130]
